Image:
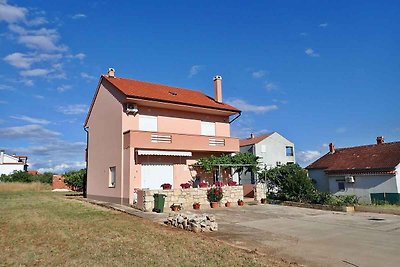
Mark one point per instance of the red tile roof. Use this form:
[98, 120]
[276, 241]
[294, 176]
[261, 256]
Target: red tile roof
[164, 93]
[370, 158]
[254, 140]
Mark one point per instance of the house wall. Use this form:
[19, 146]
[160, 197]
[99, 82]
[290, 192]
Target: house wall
[364, 185]
[105, 146]
[398, 177]
[275, 146]
[10, 168]
[275, 150]
[322, 182]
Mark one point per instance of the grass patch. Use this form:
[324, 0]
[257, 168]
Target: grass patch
[24, 187]
[46, 229]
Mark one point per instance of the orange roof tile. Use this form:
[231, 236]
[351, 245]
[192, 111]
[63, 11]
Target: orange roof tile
[165, 93]
[254, 140]
[370, 158]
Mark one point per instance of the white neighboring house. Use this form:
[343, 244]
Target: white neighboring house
[371, 172]
[273, 149]
[9, 164]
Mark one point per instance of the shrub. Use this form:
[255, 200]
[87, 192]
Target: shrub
[219, 183]
[75, 179]
[185, 185]
[25, 177]
[215, 194]
[232, 183]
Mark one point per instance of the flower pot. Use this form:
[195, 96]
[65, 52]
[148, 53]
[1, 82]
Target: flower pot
[263, 201]
[203, 185]
[175, 208]
[240, 203]
[196, 206]
[228, 204]
[214, 205]
[166, 186]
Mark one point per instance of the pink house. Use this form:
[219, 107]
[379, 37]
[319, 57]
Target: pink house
[141, 135]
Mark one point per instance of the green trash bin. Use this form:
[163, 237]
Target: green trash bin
[159, 200]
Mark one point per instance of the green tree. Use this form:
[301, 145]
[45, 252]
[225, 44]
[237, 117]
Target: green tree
[75, 179]
[289, 182]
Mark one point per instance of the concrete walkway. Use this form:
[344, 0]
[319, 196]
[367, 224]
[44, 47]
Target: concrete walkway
[313, 237]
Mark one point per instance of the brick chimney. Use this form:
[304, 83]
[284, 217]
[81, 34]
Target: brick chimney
[380, 140]
[251, 135]
[111, 73]
[218, 88]
[331, 148]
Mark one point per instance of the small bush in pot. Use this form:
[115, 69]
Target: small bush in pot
[196, 206]
[166, 186]
[232, 183]
[228, 204]
[203, 185]
[185, 185]
[240, 202]
[214, 195]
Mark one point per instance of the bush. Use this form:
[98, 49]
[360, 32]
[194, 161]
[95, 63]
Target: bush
[289, 182]
[327, 198]
[75, 179]
[24, 177]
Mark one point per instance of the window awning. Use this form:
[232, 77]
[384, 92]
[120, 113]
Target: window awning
[164, 153]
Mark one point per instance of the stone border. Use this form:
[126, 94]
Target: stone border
[319, 206]
[377, 210]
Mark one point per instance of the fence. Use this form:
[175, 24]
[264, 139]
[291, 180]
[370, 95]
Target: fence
[380, 198]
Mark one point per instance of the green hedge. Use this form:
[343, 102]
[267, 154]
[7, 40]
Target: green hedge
[24, 177]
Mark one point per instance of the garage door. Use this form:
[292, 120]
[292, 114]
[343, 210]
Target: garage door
[154, 175]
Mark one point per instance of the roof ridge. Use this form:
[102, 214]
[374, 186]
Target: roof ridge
[389, 143]
[165, 85]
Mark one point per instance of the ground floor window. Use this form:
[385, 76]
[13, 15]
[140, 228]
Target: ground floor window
[111, 177]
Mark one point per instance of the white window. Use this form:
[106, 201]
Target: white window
[111, 177]
[263, 149]
[148, 123]
[208, 128]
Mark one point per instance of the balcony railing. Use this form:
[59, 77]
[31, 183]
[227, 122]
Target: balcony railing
[174, 141]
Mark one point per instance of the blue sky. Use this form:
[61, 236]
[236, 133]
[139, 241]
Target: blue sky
[315, 71]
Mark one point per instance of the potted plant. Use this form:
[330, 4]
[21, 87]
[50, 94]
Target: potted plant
[214, 195]
[203, 185]
[240, 202]
[263, 201]
[232, 183]
[166, 186]
[176, 207]
[185, 185]
[228, 204]
[196, 206]
[219, 183]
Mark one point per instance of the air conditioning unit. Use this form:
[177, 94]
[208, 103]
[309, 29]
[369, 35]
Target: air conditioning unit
[349, 179]
[131, 108]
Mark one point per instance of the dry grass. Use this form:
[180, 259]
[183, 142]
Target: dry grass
[24, 187]
[45, 229]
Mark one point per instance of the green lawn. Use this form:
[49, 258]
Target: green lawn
[47, 229]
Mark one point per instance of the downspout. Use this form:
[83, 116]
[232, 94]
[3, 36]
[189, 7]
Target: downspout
[87, 160]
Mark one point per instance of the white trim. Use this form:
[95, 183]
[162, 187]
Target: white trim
[164, 153]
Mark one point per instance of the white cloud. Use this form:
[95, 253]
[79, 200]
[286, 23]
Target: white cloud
[79, 56]
[37, 21]
[194, 70]
[79, 16]
[4, 87]
[30, 119]
[11, 14]
[45, 42]
[87, 76]
[303, 34]
[28, 131]
[310, 52]
[341, 130]
[244, 106]
[258, 74]
[270, 86]
[63, 88]
[34, 72]
[304, 158]
[74, 109]
[63, 167]
[323, 25]
[24, 61]
[38, 96]
[28, 82]
[2, 102]
[282, 101]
